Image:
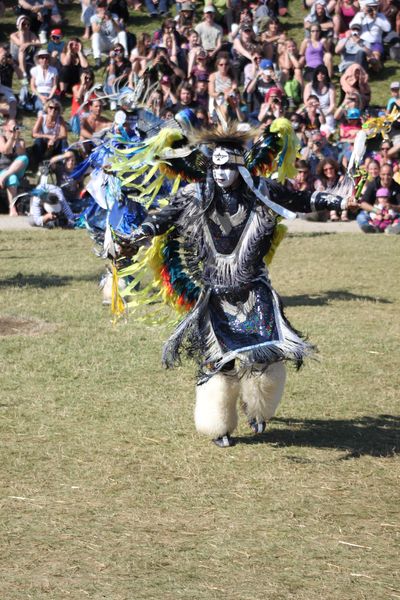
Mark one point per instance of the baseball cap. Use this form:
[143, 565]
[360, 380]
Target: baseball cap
[265, 63]
[395, 85]
[383, 193]
[353, 113]
[355, 27]
[56, 32]
[209, 8]
[187, 6]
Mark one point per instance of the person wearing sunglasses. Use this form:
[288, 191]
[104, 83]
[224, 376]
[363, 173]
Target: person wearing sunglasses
[44, 79]
[23, 45]
[13, 162]
[49, 132]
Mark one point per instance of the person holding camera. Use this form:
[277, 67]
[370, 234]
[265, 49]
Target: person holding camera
[108, 30]
[73, 61]
[273, 105]
[264, 79]
[352, 49]
[13, 162]
[373, 25]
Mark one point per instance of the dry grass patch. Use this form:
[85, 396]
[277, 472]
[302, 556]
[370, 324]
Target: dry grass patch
[108, 493]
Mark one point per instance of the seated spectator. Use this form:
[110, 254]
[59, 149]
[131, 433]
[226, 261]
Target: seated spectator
[63, 165]
[13, 162]
[49, 209]
[382, 215]
[345, 11]
[264, 79]
[319, 15]
[270, 39]
[244, 45]
[169, 97]
[349, 128]
[49, 132]
[289, 61]
[354, 81]
[395, 96]
[328, 177]
[230, 109]
[315, 52]
[273, 105]
[107, 31]
[43, 14]
[198, 65]
[349, 101]
[222, 81]
[191, 47]
[155, 103]
[73, 61]
[385, 155]
[93, 122]
[55, 47]
[316, 150]
[185, 96]
[245, 16]
[373, 25]
[44, 79]
[210, 33]
[352, 49]
[162, 65]
[312, 114]
[303, 182]
[368, 198]
[141, 55]
[118, 70]
[324, 90]
[6, 75]
[82, 91]
[201, 91]
[23, 45]
[185, 18]
[299, 127]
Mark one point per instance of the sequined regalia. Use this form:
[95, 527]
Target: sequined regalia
[213, 246]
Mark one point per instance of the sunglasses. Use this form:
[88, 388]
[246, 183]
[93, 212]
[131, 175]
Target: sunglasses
[56, 37]
[43, 58]
[51, 107]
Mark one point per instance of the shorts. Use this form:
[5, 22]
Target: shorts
[15, 179]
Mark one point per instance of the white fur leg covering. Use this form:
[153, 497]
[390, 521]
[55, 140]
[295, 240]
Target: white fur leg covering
[262, 393]
[215, 413]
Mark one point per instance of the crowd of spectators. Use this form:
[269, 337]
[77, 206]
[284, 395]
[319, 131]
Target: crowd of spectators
[231, 60]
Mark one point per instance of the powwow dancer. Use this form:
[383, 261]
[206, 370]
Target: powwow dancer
[210, 243]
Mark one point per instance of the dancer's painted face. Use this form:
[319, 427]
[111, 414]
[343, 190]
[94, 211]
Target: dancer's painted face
[225, 173]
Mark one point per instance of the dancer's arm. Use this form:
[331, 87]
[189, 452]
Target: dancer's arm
[304, 201]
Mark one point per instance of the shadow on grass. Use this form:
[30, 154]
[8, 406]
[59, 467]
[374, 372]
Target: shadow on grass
[331, 295]
[372, 436]
[43, 280]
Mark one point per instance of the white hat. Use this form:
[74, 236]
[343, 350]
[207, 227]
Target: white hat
[209, 8]
[395, 85]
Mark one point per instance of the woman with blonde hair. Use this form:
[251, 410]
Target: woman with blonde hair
[49, 132]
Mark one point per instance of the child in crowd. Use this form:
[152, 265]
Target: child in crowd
[382, 216]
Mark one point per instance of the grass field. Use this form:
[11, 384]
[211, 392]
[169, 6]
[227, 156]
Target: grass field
[108, 493]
